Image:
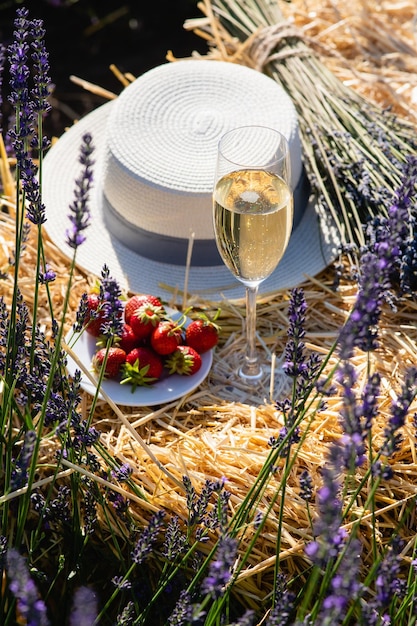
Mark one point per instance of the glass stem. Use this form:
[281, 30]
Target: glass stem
[251, 369]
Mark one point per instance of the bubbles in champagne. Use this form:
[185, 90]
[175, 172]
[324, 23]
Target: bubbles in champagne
[253, 221]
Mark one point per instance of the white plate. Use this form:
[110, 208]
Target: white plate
[165, 390]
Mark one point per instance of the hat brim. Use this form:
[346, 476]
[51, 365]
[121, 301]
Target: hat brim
[313, 244]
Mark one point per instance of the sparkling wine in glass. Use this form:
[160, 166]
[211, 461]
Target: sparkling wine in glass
[253, 213]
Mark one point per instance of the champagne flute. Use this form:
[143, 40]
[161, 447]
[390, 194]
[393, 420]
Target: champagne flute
[253, 214]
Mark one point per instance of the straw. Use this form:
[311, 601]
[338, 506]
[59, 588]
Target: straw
[218, 432]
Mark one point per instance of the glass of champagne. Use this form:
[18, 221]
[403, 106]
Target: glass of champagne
[253, 214]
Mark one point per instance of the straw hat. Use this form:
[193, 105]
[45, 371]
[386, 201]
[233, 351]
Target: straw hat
[155, 155]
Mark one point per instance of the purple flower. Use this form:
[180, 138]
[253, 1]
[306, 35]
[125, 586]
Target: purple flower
[119, 503]
[408, 271]
[80, 214]
[3, 551]
[19, 475]
[283, 606]
[388, 583]
[220, 567]
[36, 209]
[39, 504]
[175, 540]
[24, 125]
[403, 218]
[370, 400]
[84, 607]
[126, 617]
[81, 314]
[361, 328]
[57, 408]
[121, 583]
[294, 350]
[2, 61]
[90, 506]
[30, 606]
[306, 486]
[330, 535]
[355, 417]
[47, 276]
[197, 505]
[218, 516]
[399, 410]
[122, 473]
[28, 102]
[190, 492]
[184, 612]
[111, 305]
[92, 462]
[59, 510]
[41, 78]
[85, 435]
[24, 121]
[286, 437]
[386, 260]
[297, 365]
[148, 537]
[344, 586]
[18, 58]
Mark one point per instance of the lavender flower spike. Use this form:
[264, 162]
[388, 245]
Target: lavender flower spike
[297, 365]
[220, 568]
[352, 418]
[80, 214]
[330, 536]
[294, 350]
[147, 539]
[344, 586]
[19, 475]
[110, 293]
[2, 62]
[18, 53]
[388, 257]
[183, 610]
[399, 410]
[361, 329]
[30, 606]
[84, 612]
[41, 78]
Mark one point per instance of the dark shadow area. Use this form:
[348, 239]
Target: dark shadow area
[85, 37]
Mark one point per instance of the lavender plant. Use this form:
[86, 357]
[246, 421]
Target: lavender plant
[70, 549]
[39, 404]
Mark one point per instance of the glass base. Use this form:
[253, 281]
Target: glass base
[251, 372]
[235, 382]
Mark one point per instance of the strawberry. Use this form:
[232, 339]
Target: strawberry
[202, 334]
[166, 337]
[95, 315]
[184, 361]
[136, 301]
[143, 367]
[116, 357]
[145, 318]
[128, 339]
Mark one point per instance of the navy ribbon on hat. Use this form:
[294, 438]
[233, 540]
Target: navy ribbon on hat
[173, 250]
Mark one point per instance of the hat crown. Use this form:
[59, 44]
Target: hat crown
[162, 138]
